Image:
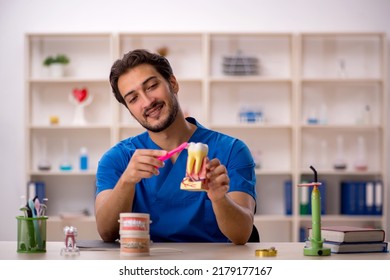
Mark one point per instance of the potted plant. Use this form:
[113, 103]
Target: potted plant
[56, 64]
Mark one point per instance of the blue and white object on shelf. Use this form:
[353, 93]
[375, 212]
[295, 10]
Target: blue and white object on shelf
[251, 115]
[361, 198]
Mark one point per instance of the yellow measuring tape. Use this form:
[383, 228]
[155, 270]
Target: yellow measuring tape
[271, 252]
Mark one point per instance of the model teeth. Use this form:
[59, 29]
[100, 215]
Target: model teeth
[196, 153]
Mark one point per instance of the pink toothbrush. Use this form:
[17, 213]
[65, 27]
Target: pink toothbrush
[174, 151]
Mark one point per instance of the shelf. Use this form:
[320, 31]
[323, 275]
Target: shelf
[68, 80]
[270, 172]
[342, 81]
[71, 127]
[86, 227]
[344, 218]
[342, 172]
[272, 218]
[63, 173]
[261, 126]
[249, 79]
[352, 127]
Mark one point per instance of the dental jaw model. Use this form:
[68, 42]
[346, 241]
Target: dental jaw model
[196, 169]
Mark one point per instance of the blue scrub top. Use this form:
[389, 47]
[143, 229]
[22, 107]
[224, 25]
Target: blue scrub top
[177, 215]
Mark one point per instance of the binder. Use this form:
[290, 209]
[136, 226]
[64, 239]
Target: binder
[378, 202]
[288, 197]
[361, 198]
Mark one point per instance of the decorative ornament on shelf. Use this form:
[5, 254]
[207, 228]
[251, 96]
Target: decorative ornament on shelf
[54, 120]
[56, 65]
[240, 64]
[80, 98]
[163, 51]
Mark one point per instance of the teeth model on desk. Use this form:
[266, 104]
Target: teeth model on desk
[195, 171]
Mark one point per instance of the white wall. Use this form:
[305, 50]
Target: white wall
[20, 16]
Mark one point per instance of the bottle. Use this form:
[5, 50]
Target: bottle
[339, 162]
[66, 165]
[83, 158]
[367, 116]
[361, 155]
[323, 114]
[342, 68]
[312, 118]
[44, 163]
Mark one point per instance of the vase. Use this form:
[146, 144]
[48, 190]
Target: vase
[57, 70]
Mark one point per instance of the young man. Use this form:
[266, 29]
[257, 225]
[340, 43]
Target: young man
[131, 178]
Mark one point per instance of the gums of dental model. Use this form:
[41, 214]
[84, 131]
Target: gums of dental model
[196, 167]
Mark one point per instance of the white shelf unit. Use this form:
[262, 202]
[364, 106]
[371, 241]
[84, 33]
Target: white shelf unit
[343, 89]
[271, 91]
[68, 192]
[290, 80]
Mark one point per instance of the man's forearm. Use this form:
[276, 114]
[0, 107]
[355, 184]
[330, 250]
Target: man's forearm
[234, 220]
[109, 206]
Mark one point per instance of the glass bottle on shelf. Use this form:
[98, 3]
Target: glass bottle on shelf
[361, 155]
[66, 165]
[44, 163]
[340, 162]
[342, 68]
[83, 158]
[367, 116]
[323, 114]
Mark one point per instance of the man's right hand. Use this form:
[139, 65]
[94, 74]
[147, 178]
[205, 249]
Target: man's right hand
[143, 164]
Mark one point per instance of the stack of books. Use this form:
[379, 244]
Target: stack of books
[347, 239]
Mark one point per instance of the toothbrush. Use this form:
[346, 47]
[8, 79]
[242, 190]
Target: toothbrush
[174, 151]
[31, 205]
[37, 205]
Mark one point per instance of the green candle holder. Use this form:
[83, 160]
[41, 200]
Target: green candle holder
[316, 241]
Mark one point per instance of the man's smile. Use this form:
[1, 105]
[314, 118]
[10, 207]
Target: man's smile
[154, 111]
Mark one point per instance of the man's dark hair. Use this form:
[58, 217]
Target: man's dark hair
[132, 59]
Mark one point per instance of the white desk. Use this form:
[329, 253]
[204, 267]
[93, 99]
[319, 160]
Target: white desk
[186, 251]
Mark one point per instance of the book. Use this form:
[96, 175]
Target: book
[349, 234]
[344, 248]
[378, 193]
[36, 189]
[288, 197]
[348, 198]
[304, 198]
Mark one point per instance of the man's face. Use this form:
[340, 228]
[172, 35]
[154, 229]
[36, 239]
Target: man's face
[151, 100]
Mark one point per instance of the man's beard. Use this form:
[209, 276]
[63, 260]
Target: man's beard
[173, 109]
